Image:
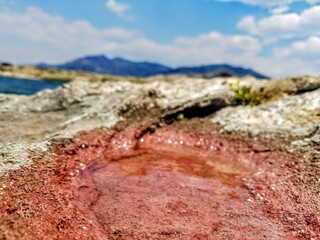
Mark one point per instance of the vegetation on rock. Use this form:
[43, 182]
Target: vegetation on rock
[247, 95]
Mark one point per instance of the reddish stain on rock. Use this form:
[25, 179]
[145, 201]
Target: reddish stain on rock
[170, 184]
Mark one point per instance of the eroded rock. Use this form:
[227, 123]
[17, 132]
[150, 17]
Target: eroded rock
[297, 116]
[58, 182]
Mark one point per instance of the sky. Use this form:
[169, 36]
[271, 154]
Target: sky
[274, 37]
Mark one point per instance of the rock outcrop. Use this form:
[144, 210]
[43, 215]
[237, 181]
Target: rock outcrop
[64, 151]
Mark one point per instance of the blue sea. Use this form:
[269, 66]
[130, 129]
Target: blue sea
[26, 86]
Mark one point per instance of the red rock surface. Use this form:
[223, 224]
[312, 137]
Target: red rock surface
[169, 184]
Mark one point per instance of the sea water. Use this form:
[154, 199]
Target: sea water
[25, 86]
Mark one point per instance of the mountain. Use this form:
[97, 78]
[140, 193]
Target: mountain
[123, 67]
[116, 66]
[217, 69]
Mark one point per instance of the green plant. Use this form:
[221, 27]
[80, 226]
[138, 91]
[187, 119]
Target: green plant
[246, 95]
[57, 78]
[180, 116]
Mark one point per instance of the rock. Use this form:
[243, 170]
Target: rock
[82, 105]
[296, 116]
[5, 64]
[294, 85]
[15, 155]
[58, 182]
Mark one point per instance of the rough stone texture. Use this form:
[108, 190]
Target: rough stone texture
[15, 155]
[47, 191]
[297, 116]
[293, 85]
[84, 106]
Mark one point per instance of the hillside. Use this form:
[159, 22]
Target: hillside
[122, 67]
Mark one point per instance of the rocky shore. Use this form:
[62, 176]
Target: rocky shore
[230, 159]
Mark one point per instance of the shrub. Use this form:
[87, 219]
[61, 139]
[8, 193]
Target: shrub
[247, 95]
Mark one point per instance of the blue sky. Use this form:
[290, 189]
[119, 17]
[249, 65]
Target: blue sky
[275, 37]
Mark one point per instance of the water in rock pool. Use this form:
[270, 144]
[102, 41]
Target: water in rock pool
[26, 86]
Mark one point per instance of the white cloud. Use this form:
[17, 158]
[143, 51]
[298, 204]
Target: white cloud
[308, 50]
[35, 36]
[313, 1]
[248, 24]
[275, 6]
[271, 3]
[280, 10]
[119, 9]
[52, 38]
[204, 49]
[263, 3]
[289, 25]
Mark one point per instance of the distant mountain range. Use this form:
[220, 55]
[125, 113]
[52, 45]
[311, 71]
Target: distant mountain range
[123, 67]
